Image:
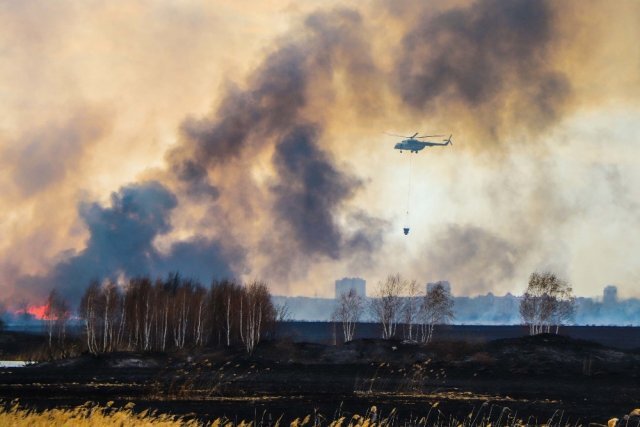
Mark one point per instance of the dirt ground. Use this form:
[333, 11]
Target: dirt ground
[534, 378]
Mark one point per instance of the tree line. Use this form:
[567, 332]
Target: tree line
[175, 313]
[165, 314]
[397, 301]
[547, 303]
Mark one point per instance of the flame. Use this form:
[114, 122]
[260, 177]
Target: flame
[37, 311]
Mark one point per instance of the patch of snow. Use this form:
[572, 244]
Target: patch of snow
[12, 363]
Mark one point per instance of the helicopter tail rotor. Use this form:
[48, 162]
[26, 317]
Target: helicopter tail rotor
[448, 141]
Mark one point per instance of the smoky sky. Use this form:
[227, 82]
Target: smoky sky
[44, 155]
[309, 188]
[121, 243]
[248, 117]
[492, 55]
[276, 174]
[309, 191]
[472, 255]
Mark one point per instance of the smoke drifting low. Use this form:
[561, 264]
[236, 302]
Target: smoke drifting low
[121, 243]
[265, 185]
[469, 253]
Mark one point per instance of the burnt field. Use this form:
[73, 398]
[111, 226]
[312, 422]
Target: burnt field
[622, 337]
[539, 377]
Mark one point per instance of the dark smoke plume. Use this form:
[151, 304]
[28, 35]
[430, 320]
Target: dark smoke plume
[121, 242]
[274, 111]
[309, 191]
[493, 58]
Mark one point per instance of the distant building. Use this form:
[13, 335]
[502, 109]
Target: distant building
[610, 295]
[359, 286]
[445, 284]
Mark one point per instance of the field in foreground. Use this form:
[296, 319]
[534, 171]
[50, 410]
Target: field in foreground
[532, 379]
[95, 415]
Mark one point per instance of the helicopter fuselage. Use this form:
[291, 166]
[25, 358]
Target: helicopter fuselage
[413, 145]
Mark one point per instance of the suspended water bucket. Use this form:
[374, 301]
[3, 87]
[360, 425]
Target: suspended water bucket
[406, 230]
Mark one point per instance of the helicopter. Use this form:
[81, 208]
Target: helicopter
[413, 145]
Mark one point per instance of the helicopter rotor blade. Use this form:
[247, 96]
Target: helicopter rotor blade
[414, 136]
[399, 136]
[429, 136]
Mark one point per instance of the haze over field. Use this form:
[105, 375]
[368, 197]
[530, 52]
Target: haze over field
[248, 140]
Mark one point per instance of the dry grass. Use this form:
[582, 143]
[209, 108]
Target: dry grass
[90, 414]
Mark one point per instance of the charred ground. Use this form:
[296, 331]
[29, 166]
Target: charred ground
[535, 376]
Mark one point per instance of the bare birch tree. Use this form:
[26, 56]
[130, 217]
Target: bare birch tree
[57, 315]
[436, 308]
[199, 312]
[348, 312]
[111, 317]
[565, 310]
[258, 314]
[283, 312]
[410, 310]
[548, 301]
[88, 313]
[386, 304]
